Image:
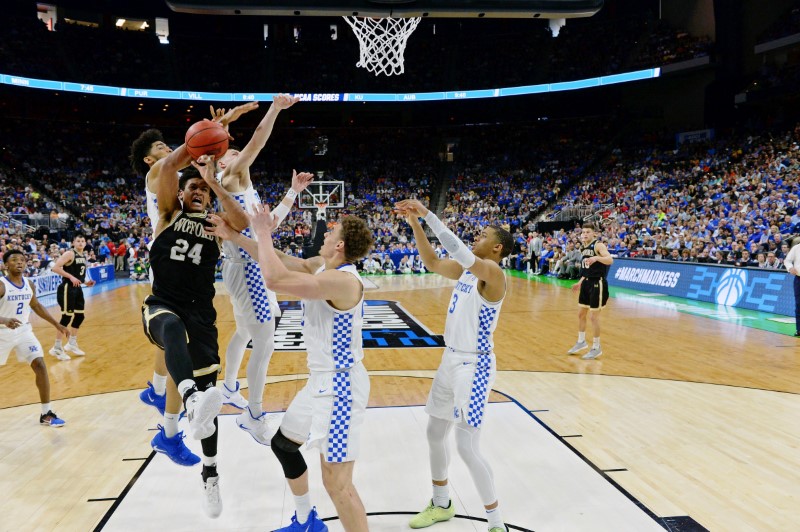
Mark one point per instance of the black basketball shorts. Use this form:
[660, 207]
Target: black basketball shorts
[201, 331]
[70, 299]
[594, 293]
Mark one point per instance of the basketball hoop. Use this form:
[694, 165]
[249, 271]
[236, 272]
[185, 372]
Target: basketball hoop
[321, 206]
[382, 42]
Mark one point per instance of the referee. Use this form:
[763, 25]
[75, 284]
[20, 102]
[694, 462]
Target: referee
[792, 262]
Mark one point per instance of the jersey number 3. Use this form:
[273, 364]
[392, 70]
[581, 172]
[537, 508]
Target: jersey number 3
[178, 251]
[453, 306]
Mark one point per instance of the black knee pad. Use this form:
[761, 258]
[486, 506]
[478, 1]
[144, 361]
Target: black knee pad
[288, 454]
[77, 320]
[66, 319]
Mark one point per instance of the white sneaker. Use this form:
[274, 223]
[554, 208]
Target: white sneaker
[201, 410]
[74, 349]
[580, 346]
[593, 353]
[233, 397]
[212, 501]
[59, 353]
[260, 428]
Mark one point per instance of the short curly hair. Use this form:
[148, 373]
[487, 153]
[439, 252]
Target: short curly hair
[357, 237]
[141, 148]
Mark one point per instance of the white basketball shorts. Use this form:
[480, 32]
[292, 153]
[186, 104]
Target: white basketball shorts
[23, 341]
[328, 413]
[460, 389]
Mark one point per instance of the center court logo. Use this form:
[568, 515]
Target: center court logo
[731, 287]
[386, 324]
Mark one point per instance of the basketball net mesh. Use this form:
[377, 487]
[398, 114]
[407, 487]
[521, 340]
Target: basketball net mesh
[382, 42]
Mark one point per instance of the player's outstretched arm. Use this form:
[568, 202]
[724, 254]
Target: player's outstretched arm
[328, 285]
[486, 270]
[222, 230]
[234, 215]
[261, 134]
[42, 312]
[444, 267]
[299, 183]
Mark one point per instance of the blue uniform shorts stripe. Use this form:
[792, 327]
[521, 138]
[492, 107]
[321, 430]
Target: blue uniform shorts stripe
[256, 288]
[478, 394]
[339, 431]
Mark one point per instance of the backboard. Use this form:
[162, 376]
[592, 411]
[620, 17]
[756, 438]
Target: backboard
[558, 9]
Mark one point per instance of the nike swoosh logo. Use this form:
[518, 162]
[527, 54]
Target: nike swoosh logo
[243, 427]
[159, 449]
[323, 390]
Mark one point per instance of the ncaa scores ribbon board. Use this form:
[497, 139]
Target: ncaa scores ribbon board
[750, 288]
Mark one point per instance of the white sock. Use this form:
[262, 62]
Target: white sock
[303, 505]
[159, 383]
[441, 496]
[596, 342]
[45, 408]
[255, 409]
[73, 340]
[581, 336]
[494, 518]
[171, 424]
[209, 461]
[58, 344]
[184, 386]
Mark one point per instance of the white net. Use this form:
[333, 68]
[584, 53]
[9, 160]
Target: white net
[382, 42]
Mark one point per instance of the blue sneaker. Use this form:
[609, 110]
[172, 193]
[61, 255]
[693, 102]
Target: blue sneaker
[50, 419]
[314, 524]
[151, 398]
[174, 448]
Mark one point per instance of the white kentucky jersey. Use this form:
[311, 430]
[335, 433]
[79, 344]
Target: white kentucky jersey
[16, 303]
[152, 205]
[332, 336]
[265, 302]
[471, 320]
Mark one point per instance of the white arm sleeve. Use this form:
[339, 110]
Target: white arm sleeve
[282, 211]
[454, 246]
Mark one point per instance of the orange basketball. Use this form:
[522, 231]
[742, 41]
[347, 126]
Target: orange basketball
[206, 138]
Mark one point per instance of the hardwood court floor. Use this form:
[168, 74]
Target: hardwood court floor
[700, 414]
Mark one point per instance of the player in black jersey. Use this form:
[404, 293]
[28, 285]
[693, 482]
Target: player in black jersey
[72, 267]
[593, 288]
[180, 317]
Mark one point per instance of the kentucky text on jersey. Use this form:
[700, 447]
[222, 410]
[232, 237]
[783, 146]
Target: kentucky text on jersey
[184, 225]
[466, 288]
[18, 297]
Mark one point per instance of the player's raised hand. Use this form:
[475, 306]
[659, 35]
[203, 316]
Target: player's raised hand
[301, 181]
[411, 207]
[220, 228]
[233, 114]
[205, 165]
[261, 220]
[284, 101]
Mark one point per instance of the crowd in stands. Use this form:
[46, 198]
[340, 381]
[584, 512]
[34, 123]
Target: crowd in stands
[732, 201]
[126, 58]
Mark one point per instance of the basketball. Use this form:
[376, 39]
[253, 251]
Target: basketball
[206, 138]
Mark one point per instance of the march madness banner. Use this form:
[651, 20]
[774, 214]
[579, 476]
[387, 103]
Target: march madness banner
[751, 288]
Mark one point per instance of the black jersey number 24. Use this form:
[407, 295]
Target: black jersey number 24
[179, 251]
